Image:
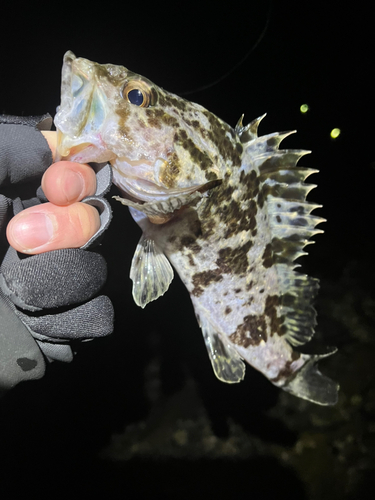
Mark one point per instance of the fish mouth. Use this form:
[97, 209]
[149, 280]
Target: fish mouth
[76, 150]
[81, 152]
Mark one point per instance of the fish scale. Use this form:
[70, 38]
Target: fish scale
[225, 207]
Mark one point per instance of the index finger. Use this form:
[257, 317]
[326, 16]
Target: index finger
[51, 137]
[66, 182]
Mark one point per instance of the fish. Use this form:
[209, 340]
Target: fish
[224, 207]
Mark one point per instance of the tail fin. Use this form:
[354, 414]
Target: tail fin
[310, 384]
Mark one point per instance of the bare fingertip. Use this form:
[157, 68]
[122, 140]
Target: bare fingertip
[72, 185]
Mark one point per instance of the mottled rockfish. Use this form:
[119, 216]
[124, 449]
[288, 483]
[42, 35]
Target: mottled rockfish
[226, 207]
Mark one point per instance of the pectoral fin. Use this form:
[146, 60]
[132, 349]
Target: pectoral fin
[150, 272]
[226, 362]
[166, 207]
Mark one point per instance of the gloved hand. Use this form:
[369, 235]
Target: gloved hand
[41, 283]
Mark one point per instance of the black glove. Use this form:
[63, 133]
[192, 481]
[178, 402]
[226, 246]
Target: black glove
[53, 279]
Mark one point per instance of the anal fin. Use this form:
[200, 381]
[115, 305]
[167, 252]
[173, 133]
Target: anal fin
[150, 272]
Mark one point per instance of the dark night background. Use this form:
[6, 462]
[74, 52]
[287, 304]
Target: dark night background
[140, 415]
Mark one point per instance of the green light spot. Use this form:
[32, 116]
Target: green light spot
[335, 133]
[304, 108]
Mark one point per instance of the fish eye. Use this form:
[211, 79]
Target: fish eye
[137, 93]
[136, 97]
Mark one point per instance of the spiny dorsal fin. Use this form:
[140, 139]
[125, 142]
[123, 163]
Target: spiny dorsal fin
[283, 197]
[250, 131]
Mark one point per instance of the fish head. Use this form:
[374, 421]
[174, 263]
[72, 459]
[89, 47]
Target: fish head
[159, 144]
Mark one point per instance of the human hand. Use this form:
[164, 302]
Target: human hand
[59, 276]
[64, 222]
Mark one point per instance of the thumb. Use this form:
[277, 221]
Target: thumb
[47, 227]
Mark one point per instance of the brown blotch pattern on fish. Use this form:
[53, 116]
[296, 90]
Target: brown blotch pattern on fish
[169, 174]
[234, 260]
[116, 78]
[123, 112]
[229, 211]
[173, 101]
[254, 327]
[295, 355]
[210, 175]
[227, 147]
[250, 285]
[202, 159]
[251, 332]
[154, 117]
[285, 373]
[268, 259]
[270, 310]
[191, 243]
[195, 124]
[191, 259]
[203, 279]
[157, 117]
[195, 225]
[251, 181]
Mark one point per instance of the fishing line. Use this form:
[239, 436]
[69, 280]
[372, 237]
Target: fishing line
[239, 63]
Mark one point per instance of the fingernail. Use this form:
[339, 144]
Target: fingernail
[72, 185]
[31, 231]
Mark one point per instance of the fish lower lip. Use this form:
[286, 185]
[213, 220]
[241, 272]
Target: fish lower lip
[65, 152]
[84, 153]
[77, 149]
